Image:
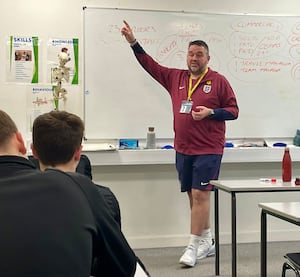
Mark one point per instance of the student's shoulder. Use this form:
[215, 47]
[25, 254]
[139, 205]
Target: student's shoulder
[106, 193]
[85, 184]
[80, 179]
[71, 178]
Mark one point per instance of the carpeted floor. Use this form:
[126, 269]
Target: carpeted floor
[163, 262]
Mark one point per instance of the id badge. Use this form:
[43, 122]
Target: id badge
[186, 106]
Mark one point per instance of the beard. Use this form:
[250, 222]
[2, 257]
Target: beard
[196, 69]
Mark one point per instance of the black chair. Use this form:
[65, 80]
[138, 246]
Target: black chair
[292, 263]
[84, 166]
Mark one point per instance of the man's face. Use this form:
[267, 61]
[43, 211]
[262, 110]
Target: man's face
[197, 59]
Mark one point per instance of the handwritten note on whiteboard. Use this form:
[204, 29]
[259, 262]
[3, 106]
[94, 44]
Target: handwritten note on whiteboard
[259, 55]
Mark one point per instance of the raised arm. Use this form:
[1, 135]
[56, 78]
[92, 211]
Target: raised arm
[126, 31]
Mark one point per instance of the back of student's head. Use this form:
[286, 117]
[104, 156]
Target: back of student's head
[56, 136]
[7, 128]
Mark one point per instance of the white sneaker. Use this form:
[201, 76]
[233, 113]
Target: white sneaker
[206, 249]
[189, 256]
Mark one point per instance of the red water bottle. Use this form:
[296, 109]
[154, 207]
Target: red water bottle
[286, 166]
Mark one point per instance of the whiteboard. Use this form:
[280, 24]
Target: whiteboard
[259, 55]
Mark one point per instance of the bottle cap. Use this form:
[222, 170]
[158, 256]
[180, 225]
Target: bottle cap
[151, 129]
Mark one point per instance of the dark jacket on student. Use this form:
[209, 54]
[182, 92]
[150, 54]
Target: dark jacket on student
[84, 167]
[54, 224]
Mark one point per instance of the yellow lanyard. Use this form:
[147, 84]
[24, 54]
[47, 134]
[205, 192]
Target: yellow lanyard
[193, 88]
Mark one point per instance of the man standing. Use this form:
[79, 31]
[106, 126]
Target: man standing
[202, 100]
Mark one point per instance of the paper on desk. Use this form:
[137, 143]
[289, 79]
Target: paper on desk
[98, 147]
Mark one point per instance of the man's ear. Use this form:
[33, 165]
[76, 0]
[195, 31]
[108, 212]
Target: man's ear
[77, 153]
[34, 154]
[21, 145]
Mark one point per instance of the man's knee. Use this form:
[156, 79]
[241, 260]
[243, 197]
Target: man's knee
[200, 195]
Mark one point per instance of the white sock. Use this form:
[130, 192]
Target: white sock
[206, 235]
[194, 240]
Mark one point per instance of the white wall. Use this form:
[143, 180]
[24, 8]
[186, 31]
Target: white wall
[55, 18]
[154, 213]
[45, 19]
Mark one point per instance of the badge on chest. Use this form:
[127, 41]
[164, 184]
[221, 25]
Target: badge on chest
[186, 106]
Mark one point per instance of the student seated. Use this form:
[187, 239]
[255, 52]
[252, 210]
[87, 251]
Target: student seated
[54, 223]
[84, 167]
[56, 143]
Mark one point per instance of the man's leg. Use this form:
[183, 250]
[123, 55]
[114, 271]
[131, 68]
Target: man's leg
[200, 218]
[194, 175]
[200, 211]
[206, 233]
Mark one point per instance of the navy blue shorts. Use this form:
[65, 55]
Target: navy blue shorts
[195, 171]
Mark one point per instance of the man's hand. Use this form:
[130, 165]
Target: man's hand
[127, 33]
[201, 113]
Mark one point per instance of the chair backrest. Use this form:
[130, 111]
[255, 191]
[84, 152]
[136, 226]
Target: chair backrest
[84, 166]
[292, 263]
[294, 258]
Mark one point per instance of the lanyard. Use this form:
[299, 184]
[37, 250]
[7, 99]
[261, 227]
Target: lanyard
[193, 88]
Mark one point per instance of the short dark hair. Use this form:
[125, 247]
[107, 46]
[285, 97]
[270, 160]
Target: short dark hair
[56, 136]
[7, 128]
[200, 43]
